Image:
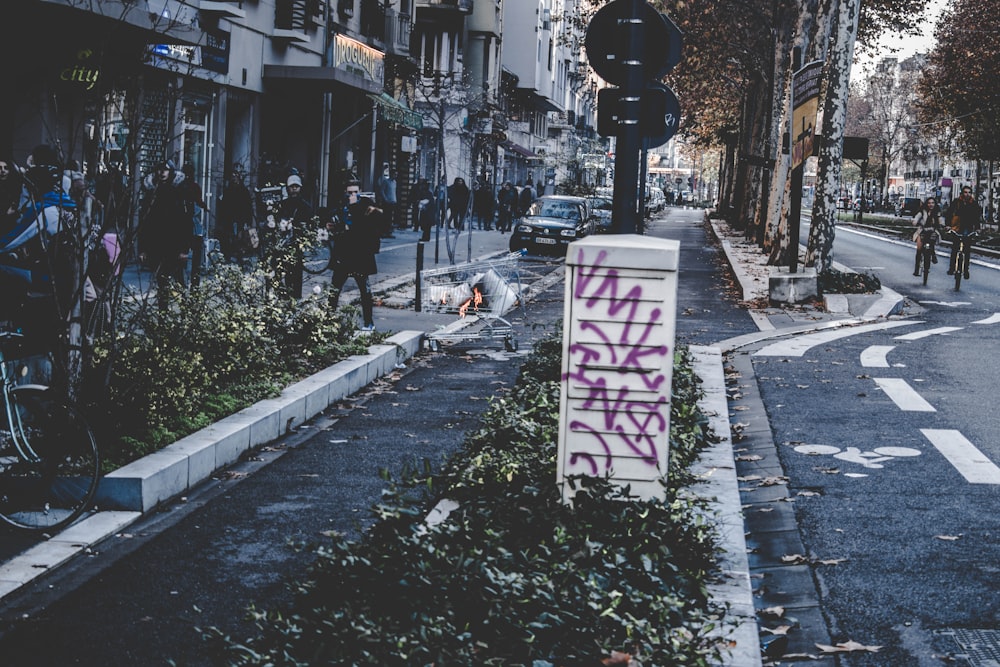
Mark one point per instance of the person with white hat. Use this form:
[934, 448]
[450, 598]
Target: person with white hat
[292, 216]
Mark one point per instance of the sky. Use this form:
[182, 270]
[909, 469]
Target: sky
[892, 45]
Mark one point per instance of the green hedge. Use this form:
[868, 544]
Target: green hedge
[513, 576]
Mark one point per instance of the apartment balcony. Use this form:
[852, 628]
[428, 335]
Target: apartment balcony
[398, 27]
[462, 6]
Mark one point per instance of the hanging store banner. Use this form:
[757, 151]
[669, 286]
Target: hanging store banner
[805, 105]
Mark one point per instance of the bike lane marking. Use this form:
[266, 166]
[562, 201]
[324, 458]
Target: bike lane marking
[917, 335]
[798, 346]
[992, 319]
[969, 461]
[874, 356]
[903, 395]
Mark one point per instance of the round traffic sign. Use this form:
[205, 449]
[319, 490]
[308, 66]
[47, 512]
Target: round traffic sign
[604, 40]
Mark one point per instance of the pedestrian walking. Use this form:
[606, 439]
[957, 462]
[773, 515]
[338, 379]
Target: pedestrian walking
[483, 205]
[420, 192]
[234, 216]
[164, 230]
[355, 236]
[506, 207]
[11, 186]
[385, 198]
[194, 205]
[292, 216]
[458, 203]
[525, 198]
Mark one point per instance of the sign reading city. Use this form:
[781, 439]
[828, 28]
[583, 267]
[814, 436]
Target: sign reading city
[805, 104]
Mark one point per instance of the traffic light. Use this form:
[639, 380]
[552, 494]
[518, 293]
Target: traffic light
[691, 182]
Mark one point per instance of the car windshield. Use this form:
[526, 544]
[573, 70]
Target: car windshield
[551, 208]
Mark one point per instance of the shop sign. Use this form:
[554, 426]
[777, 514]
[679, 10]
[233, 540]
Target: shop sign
[81, 72]
[359, 59]
[215, 52]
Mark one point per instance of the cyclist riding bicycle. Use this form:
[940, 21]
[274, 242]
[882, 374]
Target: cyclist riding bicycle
[928, 223]
[964, 218]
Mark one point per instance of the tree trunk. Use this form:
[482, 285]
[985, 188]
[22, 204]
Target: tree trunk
[795, 25]
[841, 54]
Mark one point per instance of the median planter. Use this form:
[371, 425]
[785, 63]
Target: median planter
[143, 484]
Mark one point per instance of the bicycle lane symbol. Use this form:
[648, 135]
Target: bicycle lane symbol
[871, 460]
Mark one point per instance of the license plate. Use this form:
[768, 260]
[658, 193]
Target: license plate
[545, 241]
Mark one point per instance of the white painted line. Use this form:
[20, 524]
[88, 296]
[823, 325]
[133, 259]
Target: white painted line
[903, 395]
[917, 335]
[873, 356]
[962, 454]
[799, 345]
[992, 319]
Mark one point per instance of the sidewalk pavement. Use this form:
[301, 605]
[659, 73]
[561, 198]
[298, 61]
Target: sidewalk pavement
[172, 471]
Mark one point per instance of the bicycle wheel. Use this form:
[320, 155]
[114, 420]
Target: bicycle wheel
[927, 265]
[959, 262]
[317, 259]
[51, 480]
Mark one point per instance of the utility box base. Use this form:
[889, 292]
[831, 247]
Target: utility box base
[786, 287]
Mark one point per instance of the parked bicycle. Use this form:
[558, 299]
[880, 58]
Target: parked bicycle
[49, 461]
[961, 264]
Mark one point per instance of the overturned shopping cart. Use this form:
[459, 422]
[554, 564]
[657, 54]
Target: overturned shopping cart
[479, 292]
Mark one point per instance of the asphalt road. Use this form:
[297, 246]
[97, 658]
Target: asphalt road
[887, 437]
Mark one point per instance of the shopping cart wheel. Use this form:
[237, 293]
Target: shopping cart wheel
[433, 345]
[510, 344]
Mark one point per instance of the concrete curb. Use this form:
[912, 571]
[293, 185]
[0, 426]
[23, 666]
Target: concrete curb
[127, 494]
[716, 470]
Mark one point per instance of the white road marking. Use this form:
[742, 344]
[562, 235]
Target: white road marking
[874, 356]
[992, 319]
[969, 461]
[903, 395]
[916, 335]
[799, 345]
[950, 304]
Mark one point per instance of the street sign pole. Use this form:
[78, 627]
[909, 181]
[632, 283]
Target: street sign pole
[625, 202]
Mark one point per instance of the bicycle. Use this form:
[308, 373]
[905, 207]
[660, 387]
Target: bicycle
[928, 237]
[961, 264]
[316, 258]
[49, 461]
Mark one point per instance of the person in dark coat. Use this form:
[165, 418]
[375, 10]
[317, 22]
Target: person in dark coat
[356, 234]
[420, 192]
[292, 217]
[483, 205]
[458, 203]
[506, 207]
[164, 230]
[525, 198]
[964, 217]
[11, 186]
[234, 214]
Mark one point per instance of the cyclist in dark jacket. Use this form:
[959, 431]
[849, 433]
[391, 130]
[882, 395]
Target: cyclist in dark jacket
[964, 217]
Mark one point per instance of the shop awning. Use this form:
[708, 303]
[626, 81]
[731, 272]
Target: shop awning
[517, 148]
[395, 111]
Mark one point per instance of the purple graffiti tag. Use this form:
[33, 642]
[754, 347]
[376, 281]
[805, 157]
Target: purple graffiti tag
[580, 426]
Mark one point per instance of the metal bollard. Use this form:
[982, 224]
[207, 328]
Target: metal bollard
[420, 267]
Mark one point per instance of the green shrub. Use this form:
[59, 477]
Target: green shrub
[513, 575]
[221, 346]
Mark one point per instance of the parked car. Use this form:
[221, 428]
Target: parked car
[658, 201]
[908, 207]
[600, 209]
[551, 224]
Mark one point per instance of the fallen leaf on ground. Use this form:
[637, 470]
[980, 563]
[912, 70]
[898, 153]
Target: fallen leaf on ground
[776, 612]
[774, 481]
[949, 538]
[750, 457]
